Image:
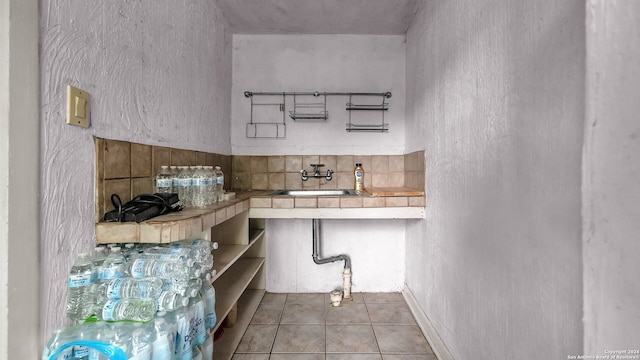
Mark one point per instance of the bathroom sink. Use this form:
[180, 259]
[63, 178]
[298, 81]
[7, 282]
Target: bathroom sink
[316, 192]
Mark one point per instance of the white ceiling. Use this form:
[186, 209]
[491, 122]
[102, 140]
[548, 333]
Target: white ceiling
[376, 17]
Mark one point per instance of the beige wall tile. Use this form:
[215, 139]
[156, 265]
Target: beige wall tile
[99, 151]
[417, 201]
[380, 180]
[240, 181]
[161, 156]
[259, 164]
[282, 202]
[201, 158]
[345, 180]
[260, 181]
[122, 187]
[241, 164]
[395, 201]
[292, 181]
[276, 181]
[379, 164]
[328, 202]
[275, 164]
[350, 202]
[141, 160]
[142, 186]
[293, 163]
[396, 179]
[328, 184]
[310, 202]
[117, 159]
[371, 202]
[329, 161]
[396, 163]
[311, 184]
[182, 157]
[258, 202]
[345, 163]
[307, 160]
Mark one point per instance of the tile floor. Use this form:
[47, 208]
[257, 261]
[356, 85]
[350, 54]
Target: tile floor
[374, 326]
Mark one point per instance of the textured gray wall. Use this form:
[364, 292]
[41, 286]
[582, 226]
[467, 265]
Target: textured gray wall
[159, 73]
[611, 178]
[495, 94]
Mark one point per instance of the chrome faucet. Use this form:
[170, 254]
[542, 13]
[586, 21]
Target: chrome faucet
[316, 173]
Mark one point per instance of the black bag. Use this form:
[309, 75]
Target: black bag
[142, 207]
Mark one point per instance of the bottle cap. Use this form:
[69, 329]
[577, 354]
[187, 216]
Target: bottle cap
[358, 164]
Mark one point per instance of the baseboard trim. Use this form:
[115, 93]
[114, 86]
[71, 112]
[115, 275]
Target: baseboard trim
[437, 345]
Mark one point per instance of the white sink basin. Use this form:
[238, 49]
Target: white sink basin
[316, 192]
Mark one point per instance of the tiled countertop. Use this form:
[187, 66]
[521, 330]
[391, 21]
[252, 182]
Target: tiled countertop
[364, 206]
[260, 204]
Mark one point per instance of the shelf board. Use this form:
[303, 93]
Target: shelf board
[247, 306]
[232, 284]
[226, 255]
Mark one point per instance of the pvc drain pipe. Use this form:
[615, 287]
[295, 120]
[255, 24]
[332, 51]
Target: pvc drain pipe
[346, 274]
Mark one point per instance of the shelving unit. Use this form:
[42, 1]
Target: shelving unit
[309, 111]
[317, 111]
[238, 261]
[382, 107]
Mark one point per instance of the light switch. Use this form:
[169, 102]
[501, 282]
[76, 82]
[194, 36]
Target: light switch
[77, 107]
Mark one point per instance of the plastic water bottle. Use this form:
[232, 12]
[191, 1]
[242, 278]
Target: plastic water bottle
[199, 185]
[196, 319]
[207, 348]
[162, 345]
[169, 253]
[219, 186]
[127, 309]
[141, 342]
[210, 180]
[160, 268]
[209, 296]
[183, 186]
[79, 297]
[98, 256]
[164, 180]
[59, 337]
[170, 301]
[127, 288]
[183, 340]
[114, 265]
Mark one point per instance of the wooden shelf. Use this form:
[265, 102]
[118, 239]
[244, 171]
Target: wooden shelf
[172, 227]
[247, 306]
[226, 255]
[232, 284]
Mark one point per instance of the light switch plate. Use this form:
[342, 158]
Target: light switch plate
[78, 113]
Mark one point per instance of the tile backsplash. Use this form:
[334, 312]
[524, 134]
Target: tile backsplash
[283, 171]
[128, 169]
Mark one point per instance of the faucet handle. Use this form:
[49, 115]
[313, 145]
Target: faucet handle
[316, 166]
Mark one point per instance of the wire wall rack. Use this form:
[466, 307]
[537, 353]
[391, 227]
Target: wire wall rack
[268, 122]
[268, 119]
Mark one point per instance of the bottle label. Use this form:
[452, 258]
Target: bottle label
[208, 182]
[358, 174]
[108, 310]
[220, 180]
[113, 289]
[199, 182]
[164, 182]
[210, 321]
[184, 182]
[78, 280]
[80, 351]
[111, 273]
[137, 268]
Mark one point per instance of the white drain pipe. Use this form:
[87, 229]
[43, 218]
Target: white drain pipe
[346, 273]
